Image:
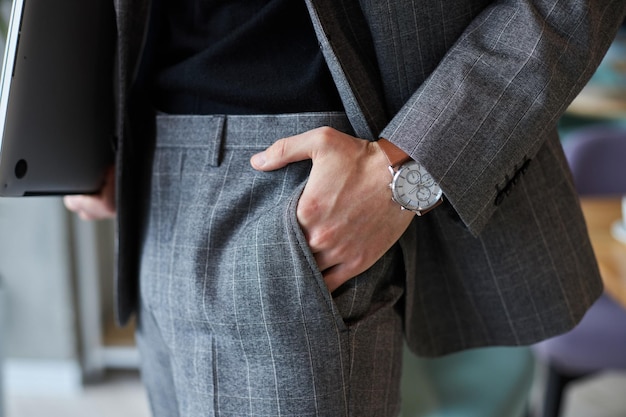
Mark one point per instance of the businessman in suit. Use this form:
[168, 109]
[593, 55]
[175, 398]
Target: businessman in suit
[258, 241]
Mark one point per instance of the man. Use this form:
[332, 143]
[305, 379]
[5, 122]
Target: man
[277, 287]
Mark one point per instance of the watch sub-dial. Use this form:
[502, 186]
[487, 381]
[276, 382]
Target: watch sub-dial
[413, 177]
[423, 194]
[427, 180]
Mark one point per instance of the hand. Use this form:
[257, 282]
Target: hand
[95, 207]
[345, 210]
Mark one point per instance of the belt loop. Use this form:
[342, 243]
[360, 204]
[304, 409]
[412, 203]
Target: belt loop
[218, 140]
[193, 131]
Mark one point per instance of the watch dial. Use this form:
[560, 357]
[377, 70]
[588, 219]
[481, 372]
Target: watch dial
[414, 188]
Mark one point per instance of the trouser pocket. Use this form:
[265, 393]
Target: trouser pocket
[241, 306]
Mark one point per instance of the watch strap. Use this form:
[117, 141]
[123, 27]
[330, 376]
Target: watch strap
[395, 155]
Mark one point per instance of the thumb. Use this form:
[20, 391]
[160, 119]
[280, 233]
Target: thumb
[282, 152]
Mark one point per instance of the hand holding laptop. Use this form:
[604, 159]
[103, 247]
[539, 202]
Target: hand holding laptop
[97, 206]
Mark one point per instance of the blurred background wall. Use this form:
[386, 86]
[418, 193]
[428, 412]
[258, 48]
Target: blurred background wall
[39, 332]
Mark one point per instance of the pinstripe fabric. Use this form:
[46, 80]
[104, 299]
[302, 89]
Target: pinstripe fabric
[236, 319]
[472, 89]
[509, 77]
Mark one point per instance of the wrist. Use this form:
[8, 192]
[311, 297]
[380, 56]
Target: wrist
[395, 156]
[412, 187]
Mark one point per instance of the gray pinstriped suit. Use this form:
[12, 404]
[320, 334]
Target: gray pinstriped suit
[472, 89]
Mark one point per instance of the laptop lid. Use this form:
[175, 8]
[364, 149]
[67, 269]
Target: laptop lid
[56, 97]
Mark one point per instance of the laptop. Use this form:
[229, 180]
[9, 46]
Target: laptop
[56, 97]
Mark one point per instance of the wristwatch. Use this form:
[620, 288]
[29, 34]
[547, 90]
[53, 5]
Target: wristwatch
[412, 187]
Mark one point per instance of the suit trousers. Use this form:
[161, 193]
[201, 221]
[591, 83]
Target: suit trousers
[235, 318]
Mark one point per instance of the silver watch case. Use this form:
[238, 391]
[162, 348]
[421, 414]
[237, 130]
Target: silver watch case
[414, 189]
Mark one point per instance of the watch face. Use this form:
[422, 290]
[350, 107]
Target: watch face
[414, 188]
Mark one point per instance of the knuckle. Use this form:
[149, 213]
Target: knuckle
[279, 149]
[306, 210]
[319, 237]
[325, 131]
[325, 135]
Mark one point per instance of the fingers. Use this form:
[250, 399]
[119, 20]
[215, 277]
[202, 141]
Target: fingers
[88, 207]
[336, 276]
[95, 207]
[279, 154]
[292, 149]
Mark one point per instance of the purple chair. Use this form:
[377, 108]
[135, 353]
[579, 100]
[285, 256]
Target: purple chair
[597, 157]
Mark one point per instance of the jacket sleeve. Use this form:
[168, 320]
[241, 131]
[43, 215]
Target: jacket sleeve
[486, 109]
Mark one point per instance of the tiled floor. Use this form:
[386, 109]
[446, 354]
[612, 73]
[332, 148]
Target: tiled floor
[120, 394]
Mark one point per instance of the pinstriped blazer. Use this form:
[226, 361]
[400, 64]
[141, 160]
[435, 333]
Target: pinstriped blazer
[473, 89]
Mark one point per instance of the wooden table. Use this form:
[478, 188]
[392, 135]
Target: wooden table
[594, 104]
[600, 214]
